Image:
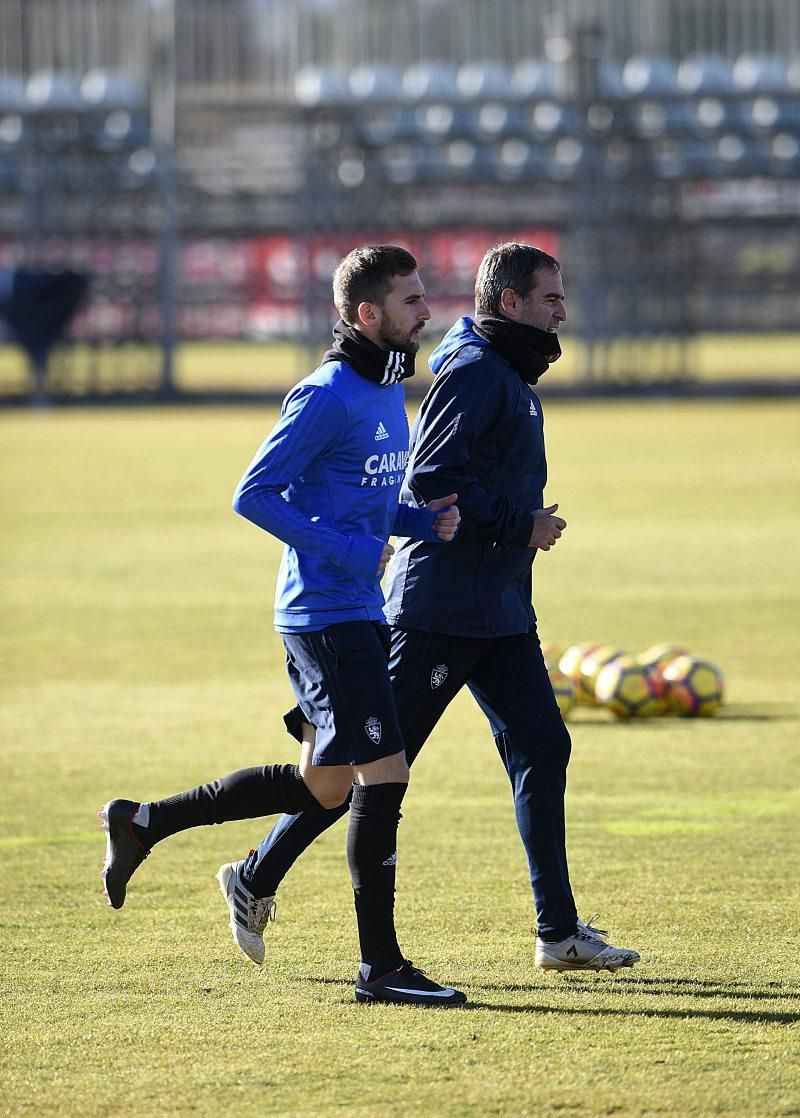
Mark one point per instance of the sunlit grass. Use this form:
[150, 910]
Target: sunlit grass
[138, 659]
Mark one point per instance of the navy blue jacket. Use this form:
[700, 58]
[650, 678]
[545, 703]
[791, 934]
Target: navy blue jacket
[479, 433]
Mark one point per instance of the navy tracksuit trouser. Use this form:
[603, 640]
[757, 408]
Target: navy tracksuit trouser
[508, 679]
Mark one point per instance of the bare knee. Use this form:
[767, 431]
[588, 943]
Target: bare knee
[331, 798]
[330, 787]
[387, 770]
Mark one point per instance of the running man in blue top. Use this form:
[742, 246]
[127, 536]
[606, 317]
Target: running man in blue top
[326, 482]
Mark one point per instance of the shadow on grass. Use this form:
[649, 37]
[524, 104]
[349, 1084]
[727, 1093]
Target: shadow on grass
[656, 987]
[698, 988]
[731, 712]
[706, 987]
[755, 1018]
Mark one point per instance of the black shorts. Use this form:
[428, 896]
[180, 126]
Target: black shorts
[340, 678]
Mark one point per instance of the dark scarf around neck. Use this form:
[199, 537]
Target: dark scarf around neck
[527, 349]
[381, 366]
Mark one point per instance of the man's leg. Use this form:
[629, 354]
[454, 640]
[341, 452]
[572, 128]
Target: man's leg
[341, 681]
[265, 868]
[133, 828]
[512, 687]
[427, 671]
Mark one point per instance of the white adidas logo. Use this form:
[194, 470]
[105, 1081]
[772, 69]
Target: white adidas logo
[381, 432]
[533, 409]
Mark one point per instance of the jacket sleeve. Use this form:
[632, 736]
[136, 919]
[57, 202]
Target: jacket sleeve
[415, 523]
[462, 407]
[313, 421]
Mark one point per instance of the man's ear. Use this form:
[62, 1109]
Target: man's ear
[367, 314]
[510, 303]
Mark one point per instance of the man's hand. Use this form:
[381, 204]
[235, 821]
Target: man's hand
[547, 528]
[446, 523]
[386, 554]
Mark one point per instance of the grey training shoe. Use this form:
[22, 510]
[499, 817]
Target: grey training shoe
[586, 950]
[124, 852]
[249, 914]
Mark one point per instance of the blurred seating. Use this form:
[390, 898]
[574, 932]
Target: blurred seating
[496, 119]
[441, 120]
[705, 75]
[517, 159]
[314, 86]
[760, 74]
[376, 83]
[53, 91]
[784, 151]
[384, 123]
[690, 158]
[12, 92]
[667, 116]
[12, 131]
[549, 118]
[406, 163]
[644, 76]
[430, 81]
[565, 157]
[533, 78]
[483, 80]
[108, 90]
[742, 155]
[464, 159]
[711, 114]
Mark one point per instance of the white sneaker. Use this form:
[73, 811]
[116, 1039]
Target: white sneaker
[249, 915]
[586, 950]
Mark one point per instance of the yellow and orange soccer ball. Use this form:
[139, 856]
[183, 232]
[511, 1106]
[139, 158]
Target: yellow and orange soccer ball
[664, 679]
[629, 690]
[693, 687]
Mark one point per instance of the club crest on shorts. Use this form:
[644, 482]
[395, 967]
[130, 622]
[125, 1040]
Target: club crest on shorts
[439, 675]
[373, 728]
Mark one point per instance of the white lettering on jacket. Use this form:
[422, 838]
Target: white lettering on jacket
[386, 463]
[391, 465]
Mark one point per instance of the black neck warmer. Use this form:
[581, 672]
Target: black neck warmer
[369, 360]
[527, 349]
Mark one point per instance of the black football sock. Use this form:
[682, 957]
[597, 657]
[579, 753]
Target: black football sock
[372, 858]
[558, 934]
[245, 794]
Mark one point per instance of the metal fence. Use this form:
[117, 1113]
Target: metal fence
[206, 161]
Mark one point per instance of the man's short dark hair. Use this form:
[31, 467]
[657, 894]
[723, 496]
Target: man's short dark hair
[511, 265]
[365, 276]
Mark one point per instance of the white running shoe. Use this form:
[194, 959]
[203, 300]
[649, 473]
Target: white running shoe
[586, 950]
[249, 915]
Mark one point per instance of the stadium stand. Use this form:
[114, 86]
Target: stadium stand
[594, 140]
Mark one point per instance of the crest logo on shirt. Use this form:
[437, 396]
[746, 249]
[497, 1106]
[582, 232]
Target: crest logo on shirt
[439, 675]
[374, 729]
[381, 432]
[533, 409]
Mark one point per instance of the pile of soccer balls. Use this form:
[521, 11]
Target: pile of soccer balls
[666, 679]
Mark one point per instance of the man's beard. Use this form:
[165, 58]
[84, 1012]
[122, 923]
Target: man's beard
[394, 338]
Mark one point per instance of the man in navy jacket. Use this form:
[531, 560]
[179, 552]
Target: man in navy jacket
[326, 482]
[462, 615]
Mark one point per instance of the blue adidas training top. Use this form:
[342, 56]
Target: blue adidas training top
[327, 483]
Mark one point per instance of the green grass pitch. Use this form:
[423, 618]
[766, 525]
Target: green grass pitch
[138, 659]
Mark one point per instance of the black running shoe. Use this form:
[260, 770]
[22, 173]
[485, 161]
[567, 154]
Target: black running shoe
[405, 986]
[124, 852]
